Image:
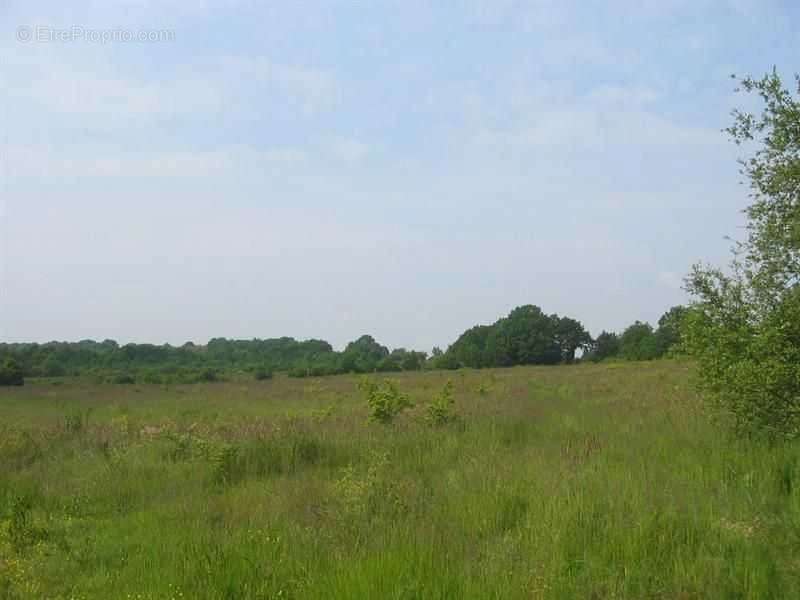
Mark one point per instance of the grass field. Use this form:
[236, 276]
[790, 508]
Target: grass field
[592, 481]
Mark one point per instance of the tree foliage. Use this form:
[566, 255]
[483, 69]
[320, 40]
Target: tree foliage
[605, 346]
[11, 373]
[744, 325]
[526, 336]
[638, 342]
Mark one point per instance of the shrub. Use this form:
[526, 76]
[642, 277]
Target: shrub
[441, 410]
[208, 375]
[384, 399]
[123, 379]
[319, 371]
[151, 376]
[262, 373]
[388, 365]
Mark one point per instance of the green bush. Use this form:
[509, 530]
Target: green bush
[388, 365]
[262, 373]
[441, 410]
[123, 379]
[208, 375]
[320, 371]
[384, 399]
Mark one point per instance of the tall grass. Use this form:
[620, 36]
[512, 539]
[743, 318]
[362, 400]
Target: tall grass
[590, 481]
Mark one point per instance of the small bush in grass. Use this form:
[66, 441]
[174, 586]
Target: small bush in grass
[75, 422]
[228, 468]
[384, 399]
[441, 410]
[367, 493]
[22, 533]
[20, 529]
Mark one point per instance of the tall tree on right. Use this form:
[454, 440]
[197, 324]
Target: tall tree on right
[743, 327]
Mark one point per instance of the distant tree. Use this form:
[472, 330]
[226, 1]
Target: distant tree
[388, 364]
[52, 367]
[363, 355]
[11, 373]
[605, 346]
[638, 342]
[570, 336]
[668, 334]
[408, 360]
[447, 361]
[470, 348]
[527, 336]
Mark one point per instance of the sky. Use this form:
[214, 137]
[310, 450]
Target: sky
[329, 169]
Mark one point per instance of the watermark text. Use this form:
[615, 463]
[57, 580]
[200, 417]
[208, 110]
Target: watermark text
[45, 34]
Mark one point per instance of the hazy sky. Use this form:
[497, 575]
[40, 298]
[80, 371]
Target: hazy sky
[327, 169]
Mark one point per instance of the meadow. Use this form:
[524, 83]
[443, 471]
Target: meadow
[607, 480]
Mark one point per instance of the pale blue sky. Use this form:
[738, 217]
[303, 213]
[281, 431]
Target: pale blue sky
[327, 169]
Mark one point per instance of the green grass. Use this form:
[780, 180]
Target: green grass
[593, 481]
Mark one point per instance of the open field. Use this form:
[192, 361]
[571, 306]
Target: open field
[592, 481]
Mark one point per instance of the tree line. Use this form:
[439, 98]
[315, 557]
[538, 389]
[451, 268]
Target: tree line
[527, 336]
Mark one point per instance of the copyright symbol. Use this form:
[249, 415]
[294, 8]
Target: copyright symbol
[24, 34]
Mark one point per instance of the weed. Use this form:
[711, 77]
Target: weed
[227, 468]
[74, 423]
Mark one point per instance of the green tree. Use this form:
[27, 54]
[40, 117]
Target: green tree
[470, 348]
[638, 342]
[11, 373]
[526, 336]
[605, 346]
[668, 334]
[570, 336]
[743, 327]
[363, 355]
[52, 367]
